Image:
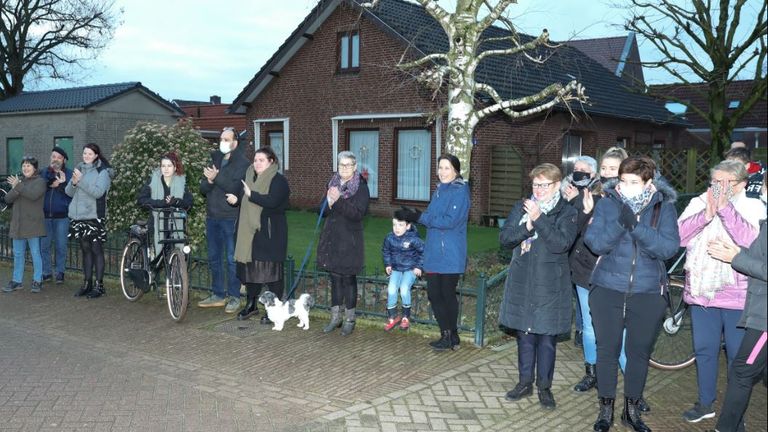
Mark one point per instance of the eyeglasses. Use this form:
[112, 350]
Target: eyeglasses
[714, 182]
[347, 165]
[542, 185]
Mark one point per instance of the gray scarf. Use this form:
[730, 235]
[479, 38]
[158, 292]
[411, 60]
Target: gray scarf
[177, 186]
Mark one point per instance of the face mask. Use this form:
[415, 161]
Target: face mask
[606, 179]
[225, 147]
[631, 192]
[579, 176]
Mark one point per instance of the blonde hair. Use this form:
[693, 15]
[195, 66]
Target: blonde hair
[548, 171]
[615, 153]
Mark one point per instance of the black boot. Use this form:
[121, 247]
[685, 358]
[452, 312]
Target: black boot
[335, 320]
[349, 322]
[643, 406]
[85, 289]
[589, 381]
[97, 291]
[631, 416]
[605, 417]
[455, 341]
[546, 399]
[251, 306]
[445, 343]
[520, 391]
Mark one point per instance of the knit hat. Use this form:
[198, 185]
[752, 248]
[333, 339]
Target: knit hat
[61, 151]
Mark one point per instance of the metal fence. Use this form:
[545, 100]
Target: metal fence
[478, 302]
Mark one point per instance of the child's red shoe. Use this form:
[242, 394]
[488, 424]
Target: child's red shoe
[391, 323]
[405, 323]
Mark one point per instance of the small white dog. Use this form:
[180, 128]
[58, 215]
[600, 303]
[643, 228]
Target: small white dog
[279, 312]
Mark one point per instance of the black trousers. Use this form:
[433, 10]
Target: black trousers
[536, 352]
[741, 379]
[254, 289]
[343, 290]
[93, 257]
[612, 312]
[441, 291]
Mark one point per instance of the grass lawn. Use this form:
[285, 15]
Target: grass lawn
[301, 225]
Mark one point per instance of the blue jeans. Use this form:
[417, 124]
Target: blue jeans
[20, 252]
[710, 326]
[221, 238]
[56, 230]
[588, 337]
[400, 282]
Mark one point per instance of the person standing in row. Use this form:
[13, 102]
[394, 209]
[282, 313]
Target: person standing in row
[88, 210]
[56, 208]
[26, 195]
[223, 176]
[445, 247]
[537, 293]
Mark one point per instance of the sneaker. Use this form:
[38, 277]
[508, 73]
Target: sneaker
[233, 305]
[391, 323]
[212, 301]
[698, 413]
[520, 391]
[13, 286]
[47, 278]
[59, 278]
[405, 323]
[36, 287]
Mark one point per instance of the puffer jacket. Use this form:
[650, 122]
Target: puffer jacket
[752, 262]
[405, 252]
[738, 228]
[581, 259]
[633, 261]
[27, 213]
[56, 203]
[89, 197]
[445, 248]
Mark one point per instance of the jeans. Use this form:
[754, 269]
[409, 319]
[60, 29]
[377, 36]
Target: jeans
[742, 377]
[20, 252]
[402, 282]
[588, 336]
[56, 230]
[221, 238]
[709, 326]
[578, 311]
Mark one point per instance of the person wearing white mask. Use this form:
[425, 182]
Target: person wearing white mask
[223, 176]
[633, 230]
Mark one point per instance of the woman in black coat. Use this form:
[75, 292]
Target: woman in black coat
[261, 236]
[340, 249]
[537, 293]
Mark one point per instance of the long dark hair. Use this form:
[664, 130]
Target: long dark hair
[95, 148]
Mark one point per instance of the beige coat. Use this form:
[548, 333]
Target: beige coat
[27, 218]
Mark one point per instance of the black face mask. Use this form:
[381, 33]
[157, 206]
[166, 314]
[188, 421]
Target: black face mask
[606, 179]
[580, 176]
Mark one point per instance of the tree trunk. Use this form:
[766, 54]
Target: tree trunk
[720, 125]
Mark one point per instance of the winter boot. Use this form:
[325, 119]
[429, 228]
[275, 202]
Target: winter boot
[605, 416]
[85, 289]
[631, 416]
[349, 322]
[445, 343]
[335, 320]
[251, 306]
[392, 319]
[97, 291]
[405, 323]
[455, 341]
[589, 381]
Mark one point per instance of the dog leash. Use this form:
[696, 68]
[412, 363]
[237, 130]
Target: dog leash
[308, 251]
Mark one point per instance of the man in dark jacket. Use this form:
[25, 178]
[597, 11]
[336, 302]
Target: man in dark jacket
[222, 177]
[56, 207]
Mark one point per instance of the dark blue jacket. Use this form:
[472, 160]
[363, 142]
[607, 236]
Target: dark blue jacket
[633, 262]
[56, 201]
[445, 249]
[405, 252]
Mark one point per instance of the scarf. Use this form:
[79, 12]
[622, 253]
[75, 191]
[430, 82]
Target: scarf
[347, 189]
[249, 221]
[545, 207]
[639, 201]
[157, 192]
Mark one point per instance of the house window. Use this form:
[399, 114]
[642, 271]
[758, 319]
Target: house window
[14, 152]
[275, 140]
[349, 51]
[413, 164]
[365, 146]
[734, 104]
[571, 150]
[622, 142]
[65, 143]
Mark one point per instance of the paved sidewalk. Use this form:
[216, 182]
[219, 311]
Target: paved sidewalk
[85, 365]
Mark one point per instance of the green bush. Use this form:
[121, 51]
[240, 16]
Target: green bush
[139, 154]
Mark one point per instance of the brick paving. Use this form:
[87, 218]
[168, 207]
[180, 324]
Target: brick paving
[90, 365]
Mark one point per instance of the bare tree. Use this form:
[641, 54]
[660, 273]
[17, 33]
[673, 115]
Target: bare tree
[455, 69]
[716, 44]
[50, 38]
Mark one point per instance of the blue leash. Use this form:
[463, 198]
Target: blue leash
[309, 250]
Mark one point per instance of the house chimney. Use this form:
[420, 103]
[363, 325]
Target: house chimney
[215, 100]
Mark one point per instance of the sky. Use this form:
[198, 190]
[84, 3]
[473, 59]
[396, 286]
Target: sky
[193, 49]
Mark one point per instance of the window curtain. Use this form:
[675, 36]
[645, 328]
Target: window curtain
[365, 146]
[276, 142]
[413, 162]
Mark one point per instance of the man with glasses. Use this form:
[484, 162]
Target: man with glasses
[56, 207]
[223, 176]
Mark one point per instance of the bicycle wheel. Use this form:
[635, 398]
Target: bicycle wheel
[133, 259]
[177, 285]
[674, 345]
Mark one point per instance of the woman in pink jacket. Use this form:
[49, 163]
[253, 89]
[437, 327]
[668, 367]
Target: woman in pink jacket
[714, 290]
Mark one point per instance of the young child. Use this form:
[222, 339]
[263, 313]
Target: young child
[403, 258]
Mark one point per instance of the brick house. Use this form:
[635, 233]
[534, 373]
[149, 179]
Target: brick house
[31, 123]
[211, 117]
[333, 85]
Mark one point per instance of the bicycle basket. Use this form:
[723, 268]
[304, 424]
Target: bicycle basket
[172, 226]
[138, 231]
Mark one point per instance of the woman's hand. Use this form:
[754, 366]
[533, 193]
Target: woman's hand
[333, 195]
[246, 189]
[76, 176]
[722, 200]
[417, 272]
[388, 270]
[532, 208]
[588, 200]
[13, 180]
[231, 199]
[722, 250]
[570, 192]
[711, 209]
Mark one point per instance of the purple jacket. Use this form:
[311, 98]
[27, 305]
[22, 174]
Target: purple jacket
[741, 231]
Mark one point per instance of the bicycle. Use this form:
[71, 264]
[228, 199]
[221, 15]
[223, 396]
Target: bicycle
[140, 268]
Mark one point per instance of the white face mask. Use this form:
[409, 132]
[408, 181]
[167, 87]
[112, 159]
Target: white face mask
[631, 192]
[225, 147]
